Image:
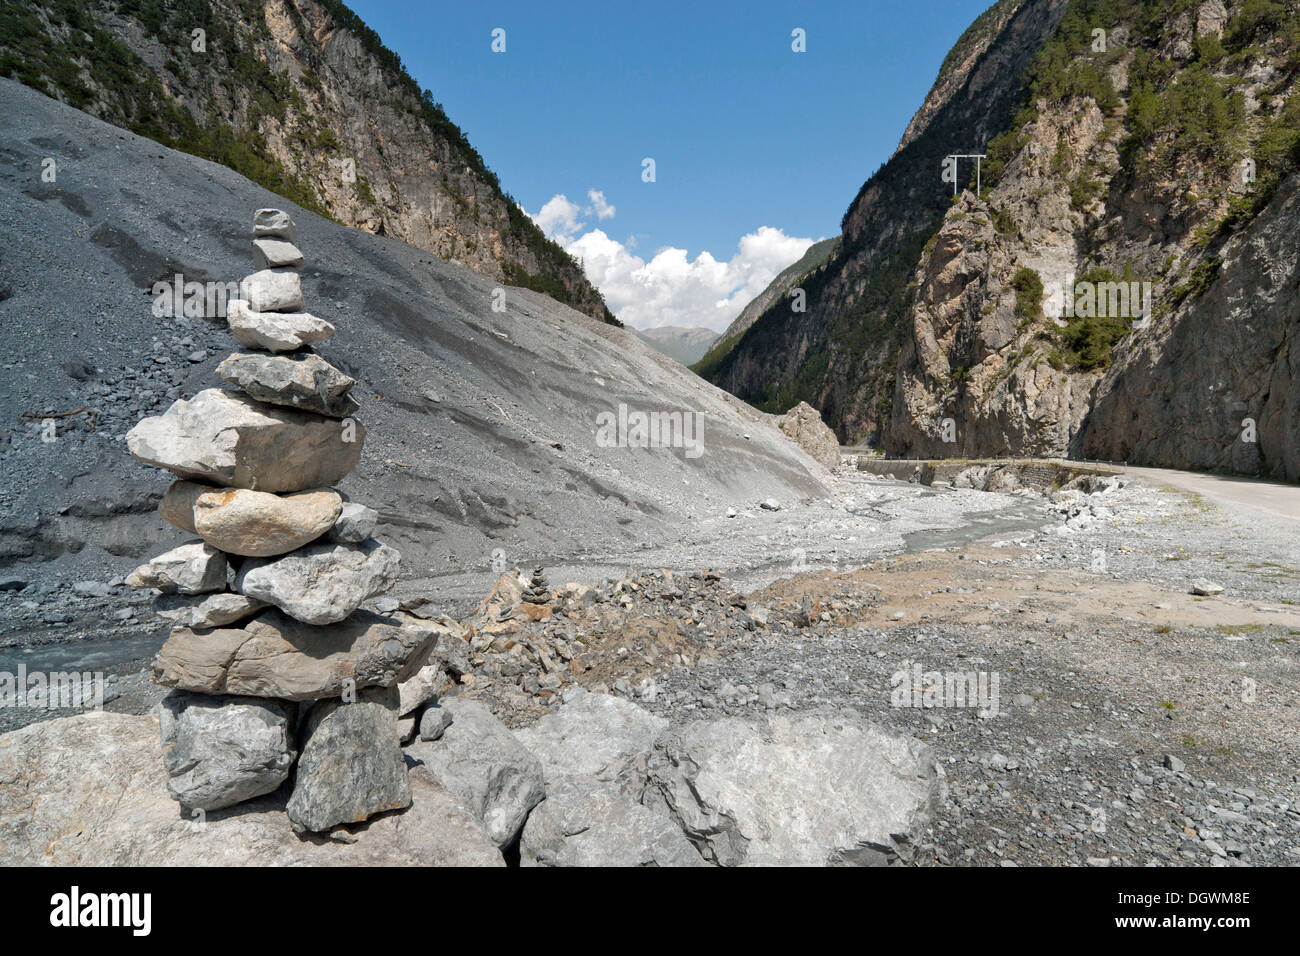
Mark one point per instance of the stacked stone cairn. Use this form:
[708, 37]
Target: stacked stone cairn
[537, 591]
[271, 661]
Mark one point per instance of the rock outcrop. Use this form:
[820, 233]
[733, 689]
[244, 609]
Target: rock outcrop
[807, 430]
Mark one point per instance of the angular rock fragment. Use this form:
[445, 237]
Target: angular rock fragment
[274, 224]
[420, 689]
[257, 524]
[321, 583]
[272, 290]
[807, 790]
[211, 610]
[351, 766]
[303, 381]
[485, 767]
[588, 822]
[219, 751]
[271, 253]
[194, 568]
[275, 656]
[591, 735]
[226, 438]
[274, 331]
[355, 523]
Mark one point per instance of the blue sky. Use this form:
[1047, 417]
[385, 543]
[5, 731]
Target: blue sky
[750, 140]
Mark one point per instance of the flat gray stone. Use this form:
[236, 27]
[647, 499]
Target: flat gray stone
[591, 735]
[275, 656]
[303, 381]
[205, 610]
[271, 253]
[274, 331]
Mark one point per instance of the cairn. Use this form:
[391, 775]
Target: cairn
[537, 591]
[265, 603]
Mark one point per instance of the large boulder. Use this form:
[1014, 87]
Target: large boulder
[322, 583]
[485, 767]
[259, 525]
[219, 751]
[589, 822]
[351, 766]
[591, 734]
[277, 656]
[804, 425]
[57, 777]
[223, 437]
[304, 381]
[806, 790]
[194, 568]
[275, 331]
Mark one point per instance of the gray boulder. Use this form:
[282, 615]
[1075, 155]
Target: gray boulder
[224, 437]
[219, 751]
[322, 583]
[277, 656]
[195, 568]
[485, 767]
[803, 424]
[274, 331]
[272, 290]
[589, 822]
[591, 734]
[355, 523]
[804, 790]
[351, 766]
[304, 381]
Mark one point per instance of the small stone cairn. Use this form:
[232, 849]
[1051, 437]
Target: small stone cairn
[537, 591]
[272, 663]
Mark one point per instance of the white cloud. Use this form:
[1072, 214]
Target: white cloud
[670, 289]
[602, 209]
[559, 218]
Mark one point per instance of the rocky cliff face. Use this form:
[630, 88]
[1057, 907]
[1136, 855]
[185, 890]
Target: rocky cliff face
[300, 96]
[1124, 290]
[841, 353]
[1124, 284]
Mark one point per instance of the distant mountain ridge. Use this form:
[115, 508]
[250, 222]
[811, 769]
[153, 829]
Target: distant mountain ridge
[301, 97]
[683, 345]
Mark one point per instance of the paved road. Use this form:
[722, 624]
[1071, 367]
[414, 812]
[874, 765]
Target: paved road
[1269, 497]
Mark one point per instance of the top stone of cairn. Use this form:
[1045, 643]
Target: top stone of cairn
[274, 224]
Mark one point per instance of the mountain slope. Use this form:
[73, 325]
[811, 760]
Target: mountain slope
[841, 354]
[482, 424]
[303, 98]
[682, 345]
[788, 279]
[1125, 165]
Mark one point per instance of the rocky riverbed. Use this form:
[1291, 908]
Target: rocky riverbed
[1114, 716]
